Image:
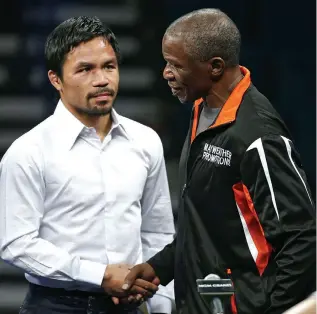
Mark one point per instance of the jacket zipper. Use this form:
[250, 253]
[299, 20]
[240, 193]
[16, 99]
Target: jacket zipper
[187, 155]
[188, 177]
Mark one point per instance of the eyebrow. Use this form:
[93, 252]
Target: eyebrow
[83, 64]
[111, 60]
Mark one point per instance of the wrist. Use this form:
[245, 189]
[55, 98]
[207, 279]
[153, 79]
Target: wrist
[106, 276]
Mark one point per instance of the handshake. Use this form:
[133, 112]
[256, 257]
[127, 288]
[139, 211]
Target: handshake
[128, 284]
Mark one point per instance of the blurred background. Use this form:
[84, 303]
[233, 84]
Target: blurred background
[278, 47]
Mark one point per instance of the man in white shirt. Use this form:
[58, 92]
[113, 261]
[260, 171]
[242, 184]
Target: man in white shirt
[84, 194]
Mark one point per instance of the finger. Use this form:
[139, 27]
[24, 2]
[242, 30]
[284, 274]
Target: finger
[149, 295]
[130, 278]
[139, 297]
[115, 300]
[136, 290]
[124, 301]
[156, 281]
[146, 285]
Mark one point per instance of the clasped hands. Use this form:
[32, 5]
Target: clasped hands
[127, 285]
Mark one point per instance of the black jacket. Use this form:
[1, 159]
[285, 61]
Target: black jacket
[246, 211]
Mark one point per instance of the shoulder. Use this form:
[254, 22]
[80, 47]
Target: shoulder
[145, 140]
[29, 146]
[141, 134]
[257, 118]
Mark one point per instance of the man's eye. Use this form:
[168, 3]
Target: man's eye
[173, 66]
[87, 69]
[110, 66]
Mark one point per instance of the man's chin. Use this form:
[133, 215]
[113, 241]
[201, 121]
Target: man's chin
[99, 111]
[183, 100]
[182, 97]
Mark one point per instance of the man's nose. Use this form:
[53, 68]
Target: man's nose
[100, 79]
[167, 73]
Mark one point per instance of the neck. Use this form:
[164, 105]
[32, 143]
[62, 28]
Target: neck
[102, 123]
[222, 89]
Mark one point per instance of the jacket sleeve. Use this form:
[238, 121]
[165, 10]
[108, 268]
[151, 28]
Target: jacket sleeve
[276, 187]
[163, 263]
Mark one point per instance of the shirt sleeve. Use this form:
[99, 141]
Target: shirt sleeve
[160, 304]
[278, 195]
[22, 197]
[157, 228]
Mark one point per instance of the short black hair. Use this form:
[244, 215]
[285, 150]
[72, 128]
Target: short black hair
[70, 34]
[208, 33]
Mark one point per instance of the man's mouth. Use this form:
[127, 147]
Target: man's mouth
[103, 96]
[173, 86]
[175, 89]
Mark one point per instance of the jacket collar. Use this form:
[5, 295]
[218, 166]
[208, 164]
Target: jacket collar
[229, 110]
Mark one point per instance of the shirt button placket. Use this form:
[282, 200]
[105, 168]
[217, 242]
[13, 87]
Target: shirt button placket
[106, 191]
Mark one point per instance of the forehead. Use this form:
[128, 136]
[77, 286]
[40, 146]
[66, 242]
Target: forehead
[173, 48]
[91, 51]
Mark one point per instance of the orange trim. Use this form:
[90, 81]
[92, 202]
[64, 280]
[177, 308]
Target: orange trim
[232, 299]
[195, 121]
[233, 305]
[229, 110]
[245, 203]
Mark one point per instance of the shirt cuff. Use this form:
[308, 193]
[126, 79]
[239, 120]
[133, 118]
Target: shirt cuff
[91, 272]
[160, 304]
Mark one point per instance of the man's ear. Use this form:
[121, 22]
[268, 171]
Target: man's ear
[216, 67]
[55, 80]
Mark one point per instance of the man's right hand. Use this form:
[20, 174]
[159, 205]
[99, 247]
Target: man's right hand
[140, 272]
[114, 279]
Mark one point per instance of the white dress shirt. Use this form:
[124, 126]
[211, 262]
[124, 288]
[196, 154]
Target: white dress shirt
[71, 204]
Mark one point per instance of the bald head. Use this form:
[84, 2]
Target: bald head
[208, 33]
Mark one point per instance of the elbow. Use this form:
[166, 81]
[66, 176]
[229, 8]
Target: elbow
[6, 254]
[11, 251]
[3, 247]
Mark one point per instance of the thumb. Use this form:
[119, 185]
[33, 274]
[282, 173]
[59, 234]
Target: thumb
[130, 278]
[107, 276]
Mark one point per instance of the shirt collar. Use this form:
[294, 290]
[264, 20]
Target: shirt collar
[70, 127]
[119, 123]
